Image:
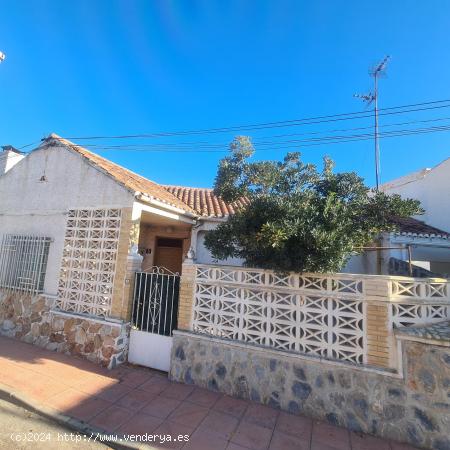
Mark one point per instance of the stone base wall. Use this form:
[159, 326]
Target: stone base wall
[30, 319]
[413, 409]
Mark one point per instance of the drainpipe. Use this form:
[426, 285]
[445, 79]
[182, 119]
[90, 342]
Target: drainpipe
[192, 253]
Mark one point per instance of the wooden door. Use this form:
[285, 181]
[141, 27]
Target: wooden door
[169, 254]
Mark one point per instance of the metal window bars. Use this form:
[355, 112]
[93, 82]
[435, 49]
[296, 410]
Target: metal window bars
[23, 262]
[155, 305]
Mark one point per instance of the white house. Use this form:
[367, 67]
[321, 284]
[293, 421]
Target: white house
[428, 238]
[74, 229]
[432, 188]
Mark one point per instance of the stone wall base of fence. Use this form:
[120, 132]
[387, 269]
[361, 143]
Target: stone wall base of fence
[412, 407]
[31, 319]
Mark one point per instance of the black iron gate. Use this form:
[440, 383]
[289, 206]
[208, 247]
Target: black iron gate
[155, 306]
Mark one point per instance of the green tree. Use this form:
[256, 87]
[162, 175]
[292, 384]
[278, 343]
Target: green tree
[298, 218]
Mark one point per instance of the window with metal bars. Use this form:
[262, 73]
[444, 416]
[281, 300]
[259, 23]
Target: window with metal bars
[23, 262]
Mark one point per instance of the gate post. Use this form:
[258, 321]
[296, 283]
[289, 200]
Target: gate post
[186, 299]
[134, 264]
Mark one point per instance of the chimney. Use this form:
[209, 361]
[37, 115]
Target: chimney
[9, 157]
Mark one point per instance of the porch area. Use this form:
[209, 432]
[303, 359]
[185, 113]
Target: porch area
[161, 243]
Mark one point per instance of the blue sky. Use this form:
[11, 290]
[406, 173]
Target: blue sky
[129, 67]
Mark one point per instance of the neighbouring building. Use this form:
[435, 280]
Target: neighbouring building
[424, 239]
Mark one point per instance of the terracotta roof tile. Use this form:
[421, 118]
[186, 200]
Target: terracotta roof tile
[124, 176]
[204, 202]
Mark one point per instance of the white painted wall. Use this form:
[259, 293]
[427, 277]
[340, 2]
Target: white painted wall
[432, 188]
[203, 255]
[28, 206]
[8, 159]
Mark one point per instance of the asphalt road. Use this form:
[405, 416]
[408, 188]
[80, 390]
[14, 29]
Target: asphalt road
[22, 429]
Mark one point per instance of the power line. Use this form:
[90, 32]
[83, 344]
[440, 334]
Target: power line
[208, 143]
[290, 144]
[280, 124]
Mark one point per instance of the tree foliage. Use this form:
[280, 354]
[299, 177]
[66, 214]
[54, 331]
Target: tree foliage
[298, 218]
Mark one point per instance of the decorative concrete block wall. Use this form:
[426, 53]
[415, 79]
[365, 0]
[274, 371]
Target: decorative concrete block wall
[414, 409]
[89, 315]
[340, 317]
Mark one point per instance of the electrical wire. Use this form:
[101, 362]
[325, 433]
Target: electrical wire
[285, 123]
[294, 143]
[262, 142]
[220, 145]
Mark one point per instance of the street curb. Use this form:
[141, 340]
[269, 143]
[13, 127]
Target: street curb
[16, 397]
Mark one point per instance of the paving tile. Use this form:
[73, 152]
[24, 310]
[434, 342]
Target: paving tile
[41, 387]
[203, 397]
[94, 385]
[322, 446]
[136, 378]
[283, 441]
[221, 424]
[160, 406]
[175, 430]
[231, 405]
[111, 418]
[88, 409]
[297, 426]
[233, 446]
[70, 398]
[202, 440]
[15, 377]
[140, 424]
[361, 441]
[114, 393]
[188, 414]
[331, 436]
[177, 391]
[155, 385]
[252, 436]
[135, 399]
[261, 415]
[401, 446]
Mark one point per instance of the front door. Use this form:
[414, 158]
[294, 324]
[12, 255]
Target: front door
[169, 254]
[155, 313]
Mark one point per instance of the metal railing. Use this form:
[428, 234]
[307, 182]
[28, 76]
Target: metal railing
[23, 262]
[155, 306]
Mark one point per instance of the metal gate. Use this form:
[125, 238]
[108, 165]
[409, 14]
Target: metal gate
[154, 317]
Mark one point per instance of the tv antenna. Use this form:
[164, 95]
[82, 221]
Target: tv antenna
[377, 71]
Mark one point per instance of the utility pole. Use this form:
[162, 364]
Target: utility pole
[376, 72]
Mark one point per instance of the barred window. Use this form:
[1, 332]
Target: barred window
[23, 262]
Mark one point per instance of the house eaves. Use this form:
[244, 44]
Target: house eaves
[136, 184]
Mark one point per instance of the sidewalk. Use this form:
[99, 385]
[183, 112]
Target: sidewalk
[130, 400]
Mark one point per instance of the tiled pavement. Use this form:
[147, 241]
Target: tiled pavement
[130, 400]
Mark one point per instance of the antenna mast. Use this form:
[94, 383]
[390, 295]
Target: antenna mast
[376, 72]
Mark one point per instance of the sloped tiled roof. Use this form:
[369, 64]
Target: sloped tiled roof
[414, 227]
[204, 202]
[124, 176]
